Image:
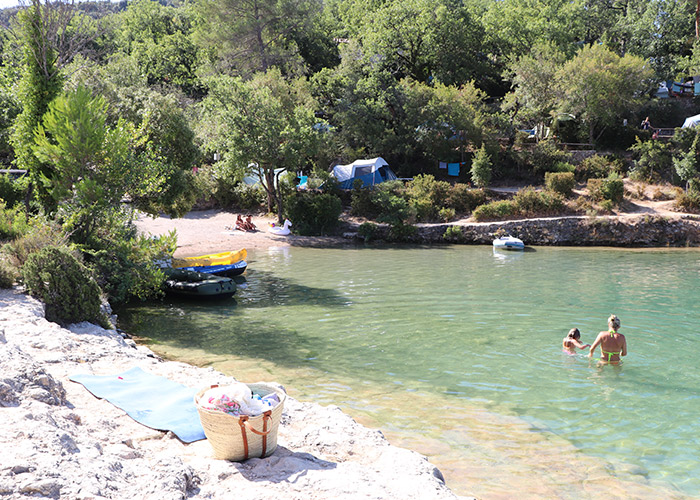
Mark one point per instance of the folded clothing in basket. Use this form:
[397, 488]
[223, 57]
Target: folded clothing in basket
[237, 399]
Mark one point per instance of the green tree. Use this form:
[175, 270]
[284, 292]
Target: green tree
[264, 125]
[95, 166]
[159, 38]
[41, 81]
[50, 35]
[600, 87]
[447, 120]
[687, 165]
[425, 40]
[249, 36]
[481, 168]
[533, 77]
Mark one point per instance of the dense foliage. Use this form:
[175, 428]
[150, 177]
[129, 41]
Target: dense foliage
[163, 106]
[71, 295]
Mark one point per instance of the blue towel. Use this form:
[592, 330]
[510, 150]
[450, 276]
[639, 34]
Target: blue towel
[453, 169]
[153, 401]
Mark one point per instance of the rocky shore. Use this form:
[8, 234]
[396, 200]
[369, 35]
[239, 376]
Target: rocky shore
[614, 231]
[58, 441]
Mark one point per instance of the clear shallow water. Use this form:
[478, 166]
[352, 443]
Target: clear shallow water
[456, 352]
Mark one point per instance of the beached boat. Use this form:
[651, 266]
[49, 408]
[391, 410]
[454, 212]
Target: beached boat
[223, 270]
[508, 243]
[194, 284]
[214, 259]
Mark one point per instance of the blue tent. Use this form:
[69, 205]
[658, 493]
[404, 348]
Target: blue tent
[370, 172]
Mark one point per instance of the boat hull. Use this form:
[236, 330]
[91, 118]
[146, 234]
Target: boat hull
[508, 243]
[223, 270]
[199, 285]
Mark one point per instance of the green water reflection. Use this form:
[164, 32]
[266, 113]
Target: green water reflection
[455, 351]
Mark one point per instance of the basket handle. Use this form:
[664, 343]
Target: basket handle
[244, 423]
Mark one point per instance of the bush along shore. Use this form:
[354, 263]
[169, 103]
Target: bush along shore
[59, 441]
[614, 231]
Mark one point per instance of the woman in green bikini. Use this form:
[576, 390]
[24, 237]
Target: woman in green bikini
[613, 345]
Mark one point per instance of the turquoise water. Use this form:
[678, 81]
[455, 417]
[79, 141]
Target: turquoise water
[456, 352]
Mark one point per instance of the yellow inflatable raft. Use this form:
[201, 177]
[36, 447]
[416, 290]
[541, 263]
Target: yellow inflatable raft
[215, 259]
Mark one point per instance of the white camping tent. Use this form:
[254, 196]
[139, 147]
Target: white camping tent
[372, 171]
[691, 121]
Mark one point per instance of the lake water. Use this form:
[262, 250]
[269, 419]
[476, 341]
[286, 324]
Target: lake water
[455, 352]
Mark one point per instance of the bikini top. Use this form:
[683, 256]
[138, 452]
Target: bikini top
[610, 354]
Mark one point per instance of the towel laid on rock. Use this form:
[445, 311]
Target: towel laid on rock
[151, 400]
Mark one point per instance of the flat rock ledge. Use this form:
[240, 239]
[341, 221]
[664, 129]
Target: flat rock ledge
[58, 441]
[613, 231]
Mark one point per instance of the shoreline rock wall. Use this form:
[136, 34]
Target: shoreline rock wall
[60, 442]
[629, 231]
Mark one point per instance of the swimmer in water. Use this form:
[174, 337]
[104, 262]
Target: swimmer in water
[571, 342]
[613, 345]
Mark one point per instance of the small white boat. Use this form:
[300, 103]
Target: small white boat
[508, 243]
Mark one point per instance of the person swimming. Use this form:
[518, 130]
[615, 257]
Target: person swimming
[571, 342]
[613, 345]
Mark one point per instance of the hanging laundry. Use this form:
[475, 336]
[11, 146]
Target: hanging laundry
[442, 164]
[453, 169]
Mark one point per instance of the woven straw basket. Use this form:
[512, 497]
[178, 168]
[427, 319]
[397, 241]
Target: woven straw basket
[240, 438]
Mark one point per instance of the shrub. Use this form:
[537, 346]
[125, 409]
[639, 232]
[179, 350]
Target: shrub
[125, 269]
[545, 157]
[426, 196]
[367, 231]
[446, 214]
[560, 182]
[528, 201]
[13, 191]
[612, 189]
[401, 231]
[8, 274]
[361, 203]
[688, 201]
[482, 167]
[40, 234]
[597, 167]
[65, 285]
[562, 166]
[654, 161]
[313, 213]
[464, 199]
[453, 233]
[494, 210]
[13, 222]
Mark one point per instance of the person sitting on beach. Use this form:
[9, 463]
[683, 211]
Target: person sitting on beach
[249, 226]
[240, 224]
[571, 342]
[613, 345]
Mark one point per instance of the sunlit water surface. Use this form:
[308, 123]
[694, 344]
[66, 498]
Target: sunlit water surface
[455, 352]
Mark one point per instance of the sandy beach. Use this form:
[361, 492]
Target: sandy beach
[210, 231]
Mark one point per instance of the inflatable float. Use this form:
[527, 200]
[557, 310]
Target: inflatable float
[280, 231]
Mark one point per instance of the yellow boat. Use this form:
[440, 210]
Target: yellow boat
[215, 259]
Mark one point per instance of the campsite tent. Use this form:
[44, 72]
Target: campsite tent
[370, 172]
[691, 121]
